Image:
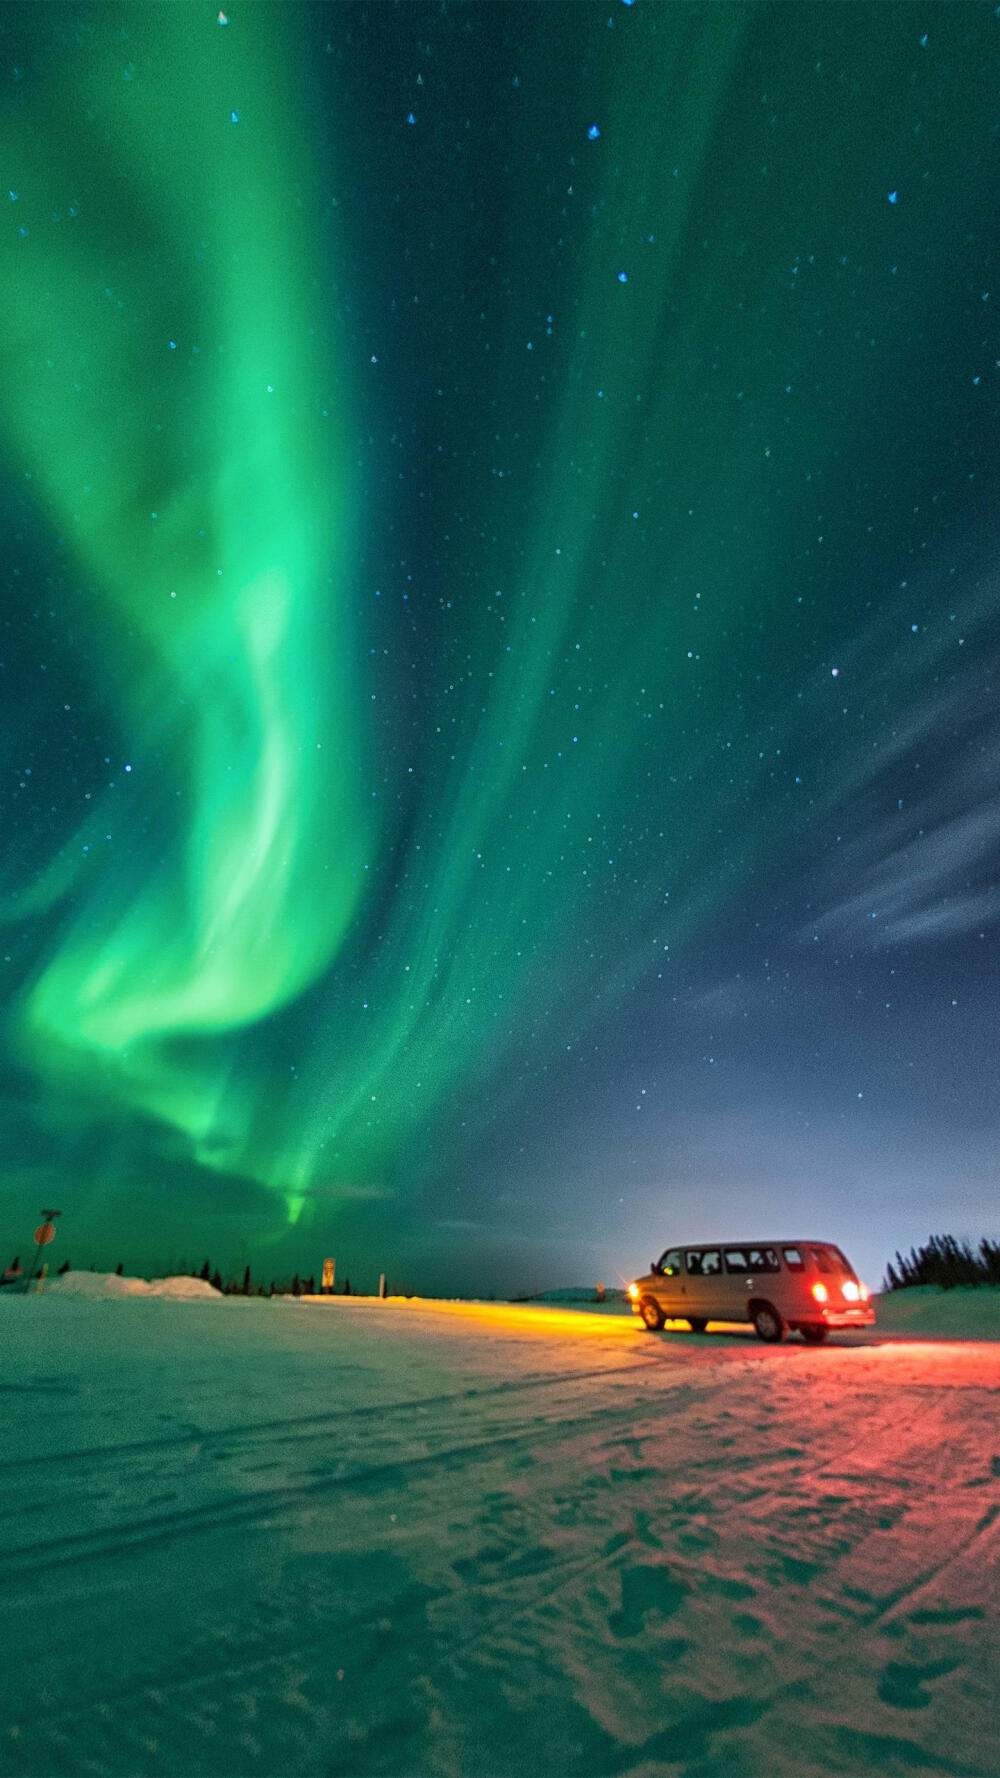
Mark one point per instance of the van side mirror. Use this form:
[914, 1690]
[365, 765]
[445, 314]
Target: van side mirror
[654, 1268]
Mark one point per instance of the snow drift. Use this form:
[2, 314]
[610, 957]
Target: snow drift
[108, 1284]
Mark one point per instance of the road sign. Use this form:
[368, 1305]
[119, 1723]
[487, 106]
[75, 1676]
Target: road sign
[328, 1274]
[45, 1232]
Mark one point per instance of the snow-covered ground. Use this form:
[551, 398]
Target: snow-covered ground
[357, 1538]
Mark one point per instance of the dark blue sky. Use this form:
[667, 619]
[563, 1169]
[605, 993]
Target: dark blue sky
[501, 633]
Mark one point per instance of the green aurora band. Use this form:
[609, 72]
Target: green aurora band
[205, 499]
[334, 948]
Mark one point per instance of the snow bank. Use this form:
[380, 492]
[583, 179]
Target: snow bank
[109, 1284]
[972, 1314]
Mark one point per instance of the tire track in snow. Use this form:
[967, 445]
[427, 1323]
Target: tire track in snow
[54, 1552]
[987, 1522]
[264, 1429]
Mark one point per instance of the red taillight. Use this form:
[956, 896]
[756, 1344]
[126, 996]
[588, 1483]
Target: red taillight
[820, 1292]
[864, 1292]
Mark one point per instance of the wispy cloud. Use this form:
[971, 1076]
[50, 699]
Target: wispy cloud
[896, 886]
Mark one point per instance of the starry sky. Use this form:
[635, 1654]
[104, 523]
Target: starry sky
[498, 667]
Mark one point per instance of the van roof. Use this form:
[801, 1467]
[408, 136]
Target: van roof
[763, 1241]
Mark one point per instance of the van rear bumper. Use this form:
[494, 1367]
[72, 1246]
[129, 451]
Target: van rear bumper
[862, 1316]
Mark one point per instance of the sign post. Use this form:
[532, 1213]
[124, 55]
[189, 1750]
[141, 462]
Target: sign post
[329, 1273]
[45, 1232]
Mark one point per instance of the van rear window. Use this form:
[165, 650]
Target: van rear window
[822, 1259]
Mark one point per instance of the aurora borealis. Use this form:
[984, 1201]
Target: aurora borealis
[499, 669]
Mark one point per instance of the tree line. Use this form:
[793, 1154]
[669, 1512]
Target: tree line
[245, 1286]
[947, 1262]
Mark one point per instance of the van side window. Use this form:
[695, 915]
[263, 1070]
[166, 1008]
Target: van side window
[793, 1259]
[670, 1264]
[763, 1259]
[822, 1260]
[752, 1259]
[707, 1264]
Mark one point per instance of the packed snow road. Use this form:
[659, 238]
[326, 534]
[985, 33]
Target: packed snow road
[253, 1537]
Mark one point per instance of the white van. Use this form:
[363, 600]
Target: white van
[803, 1286]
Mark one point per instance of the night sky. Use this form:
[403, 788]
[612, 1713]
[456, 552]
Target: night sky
[500, 636]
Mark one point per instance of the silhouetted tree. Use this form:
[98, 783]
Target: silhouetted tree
[65, 1267]
[309, 1287]
[216, 1279]
[119, 1269]
[206, 1273]
[245, 1288]
[296, 1285]
[990, 1254]
[947, 1262]
[347, 1287]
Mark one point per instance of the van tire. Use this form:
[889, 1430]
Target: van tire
[768, 1324]
[814, 1336]
[697, 1323]
[652, 1315]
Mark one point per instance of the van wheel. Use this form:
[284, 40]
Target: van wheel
[652, 1314]
[769, 1324]
[814, 1336]
[697, 1323]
